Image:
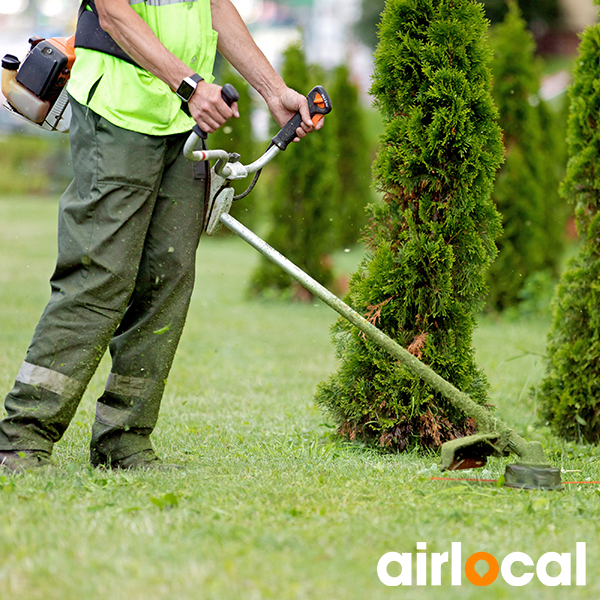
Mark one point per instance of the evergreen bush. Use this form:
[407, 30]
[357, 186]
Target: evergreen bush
[237, 136]
[302, 197]
[34, 164]
[520, 190]
[553, 121]
[352, 163]
[431, 240]
[570, 390]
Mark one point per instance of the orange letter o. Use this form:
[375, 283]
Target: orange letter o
[473, 576]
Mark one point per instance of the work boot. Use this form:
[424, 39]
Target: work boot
[146, 460]
[19, 461]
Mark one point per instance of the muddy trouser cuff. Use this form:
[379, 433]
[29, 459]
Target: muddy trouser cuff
[129, 227]
[48, 394]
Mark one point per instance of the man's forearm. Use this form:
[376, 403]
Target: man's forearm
[207, 108]
[238, 47]
[137, 39]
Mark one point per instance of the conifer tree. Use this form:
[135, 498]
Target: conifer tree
[302, 196]
[352, 164]
[236, 136]
[553, 159]
[519, 193]
[432, 239]
[570, 390]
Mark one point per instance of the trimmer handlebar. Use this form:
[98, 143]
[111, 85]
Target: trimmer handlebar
[229, 95]
[228, 167]
[319, 104]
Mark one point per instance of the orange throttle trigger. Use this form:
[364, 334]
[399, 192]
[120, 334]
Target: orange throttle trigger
[319, 104]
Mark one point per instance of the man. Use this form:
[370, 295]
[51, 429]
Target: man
[130, 223]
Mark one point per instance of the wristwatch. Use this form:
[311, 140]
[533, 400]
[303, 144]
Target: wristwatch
[186, 90]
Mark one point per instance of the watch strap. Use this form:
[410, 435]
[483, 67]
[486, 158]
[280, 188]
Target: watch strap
[187, 87]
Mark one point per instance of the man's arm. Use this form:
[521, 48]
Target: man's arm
[137, 39]
[237, 46]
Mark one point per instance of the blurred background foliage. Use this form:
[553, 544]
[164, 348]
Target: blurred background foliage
[540, 15]
[34, 164]
[37, 163]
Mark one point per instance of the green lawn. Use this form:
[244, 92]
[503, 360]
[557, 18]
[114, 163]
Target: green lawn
[271, 503]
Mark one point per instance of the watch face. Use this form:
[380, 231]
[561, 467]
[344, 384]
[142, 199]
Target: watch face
[185, 90]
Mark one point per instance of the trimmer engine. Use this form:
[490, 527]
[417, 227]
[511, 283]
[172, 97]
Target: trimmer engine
[35, 89]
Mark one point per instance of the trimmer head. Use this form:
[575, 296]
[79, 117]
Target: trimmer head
[532, 477]
[472, 452]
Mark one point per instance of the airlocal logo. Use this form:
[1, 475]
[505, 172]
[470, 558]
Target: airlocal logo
[505, 569]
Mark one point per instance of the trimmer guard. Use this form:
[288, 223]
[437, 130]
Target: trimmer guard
[472, 451]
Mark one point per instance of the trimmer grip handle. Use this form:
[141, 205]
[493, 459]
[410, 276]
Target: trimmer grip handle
[319, 105]
[229, 95]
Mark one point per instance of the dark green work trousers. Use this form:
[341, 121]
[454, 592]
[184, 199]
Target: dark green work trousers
[129, 227]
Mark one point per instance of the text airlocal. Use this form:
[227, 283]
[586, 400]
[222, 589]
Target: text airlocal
[429, 567]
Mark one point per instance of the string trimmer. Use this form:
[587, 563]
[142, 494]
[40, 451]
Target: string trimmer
[495, 438]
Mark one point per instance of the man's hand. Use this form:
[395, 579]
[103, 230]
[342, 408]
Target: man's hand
[286, 104]
[208, 108]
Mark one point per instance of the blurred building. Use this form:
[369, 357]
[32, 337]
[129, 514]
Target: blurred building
[578, 14]
[564, 38]
[324, 26]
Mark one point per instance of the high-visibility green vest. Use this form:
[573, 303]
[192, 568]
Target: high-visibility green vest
[129, 96]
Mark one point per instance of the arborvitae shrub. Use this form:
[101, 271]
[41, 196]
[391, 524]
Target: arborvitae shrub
[571, 389]
[431, 240]
[237, 136]
[302, 197]
[553, 122]
[352, 162]
[520, 191]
